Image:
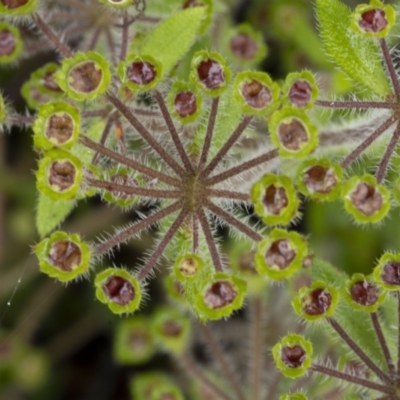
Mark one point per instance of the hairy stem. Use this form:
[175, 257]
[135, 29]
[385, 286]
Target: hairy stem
[390, 67]
[239, 169]
[125, 37]
[240, 226]
[128, 162]
[380, 174]
[137, 227]
[195, 231]
[228, 194]
[104, 136]
[356, 104]
[159, 250]
[172, 130]
[227, 145]
[210, 240]
[370, 364]
[368, 141]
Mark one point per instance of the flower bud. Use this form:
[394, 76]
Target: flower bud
[63, 256]
[144, 385]
[188, 267]
[84, 76]
[300, 90]
[119, 290]
[387, 272]
[46, 81]
[275, 200]
[292, 355]
[17, 7]
[10, 42]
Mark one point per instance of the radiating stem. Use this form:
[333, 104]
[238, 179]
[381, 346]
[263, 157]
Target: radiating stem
[390, 67]
[258, 355]
[368, 141]
[144, 133]
[350, 378]
[137, 227]
[52, 36]
[94, 39]
[382, 342]
[209, 133]
[370, 364]
[134, 190]
[172, 130]
[125, 37]
[219, 356]
[356, 104]
[380, 175]
[104, 136]
[210, 241]
[159, 250]
[240, 226]
[195, 229]
[227, 194]
[128, 162]
[239, 169]
[111, 46]
[227, 145]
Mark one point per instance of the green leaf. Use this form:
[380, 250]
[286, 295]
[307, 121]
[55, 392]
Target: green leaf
[173, 37]
[356, 55]
[50, 213]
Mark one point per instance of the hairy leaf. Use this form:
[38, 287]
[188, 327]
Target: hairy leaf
[173, 37]
[356, 55]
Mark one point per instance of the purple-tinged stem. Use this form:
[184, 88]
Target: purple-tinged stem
[159, 250]
[239, 169]
[227, 146]
[210, 241]
[197, 374]
[228, 194]
[350, 378]
[390, 67]
[219, 356]
[173, 132]
[138, 191]
[121, 237]
[252, 234]
[94, 39]
[195, 231]
[20, 119]
[356, 104]
[381, 173]
[370, 364]
[209, 133]
[128, 162]
[125, 37]
[382, 342]
[368, 141]
[258, 354]
[96, 113]
[274, 384]
[104, 136]
[52, 37]
[144, 133]
[111, 46]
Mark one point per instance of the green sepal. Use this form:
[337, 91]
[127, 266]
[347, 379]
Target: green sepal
[293, 396]
[255, 38]
[325, 189]
[27, 8]
[3, 113]
[142, 386]
[167, 391]
[303, 299]
[286, 213]
[262, 89]
[142, 58]
[386, 272]
[295, 243]
[70, 245]
[206, 311]
[390, 16]
[65, 80]
[14, 31]
[356, 55]
[118, 4]
[208, 7]
[180, 87]
[286, 116]
[40, 127]
[349, 189]
[310, 89]
[30, 93]
[103, 278]
[181, 29]
[171, 330]
[205, 56]
[44, 73]
[43, 175]
[133, 341]
[366, 281]
[291, 341]
[188, 267]
[175, 290]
